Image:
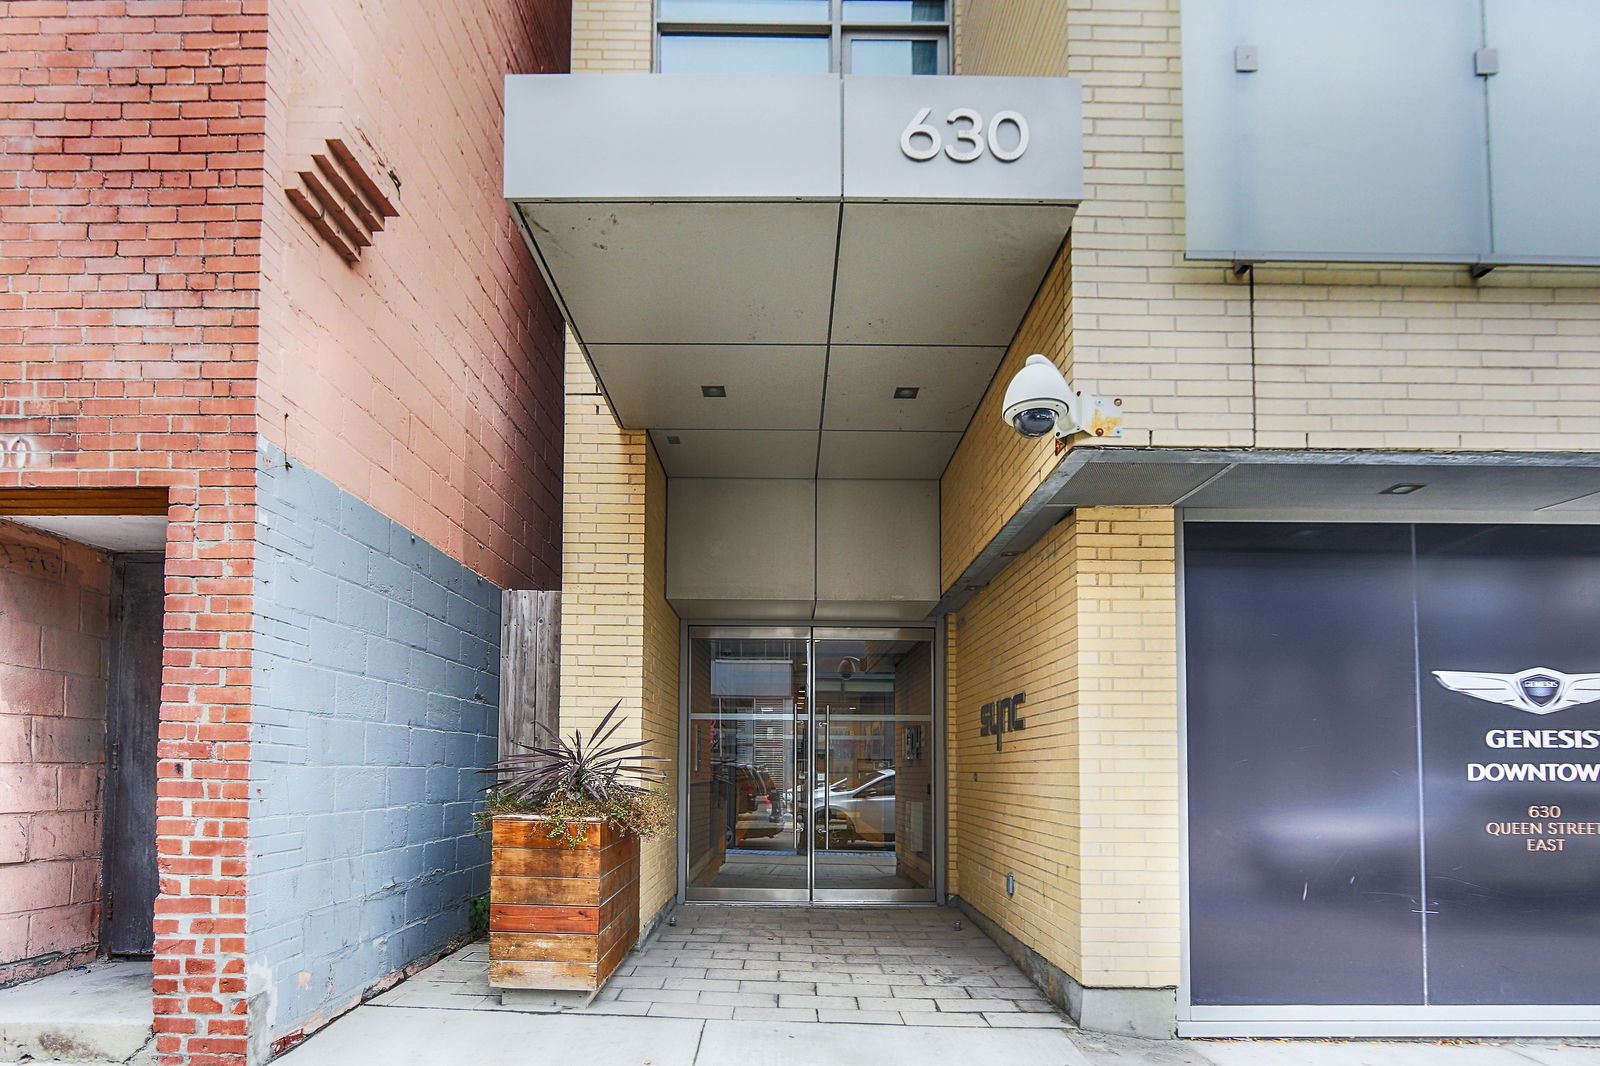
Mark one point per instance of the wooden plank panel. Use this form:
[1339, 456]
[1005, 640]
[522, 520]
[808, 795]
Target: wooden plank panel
[546, 947]
[546, 891]
[526, 831]
[530, 661]
[611, 960]
[522, 918]
[557, 975]
[547, 862]
[613, 880]
[625, 928]
[83, 501]
[616, 905]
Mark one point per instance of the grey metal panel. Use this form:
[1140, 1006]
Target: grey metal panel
[1542, 108]
[769, 386]
[693, 137]
[893, 455]
[1135, 484]
[1362, 132]
[740, 539]
[1447, 488]
[933, 274]
[877, 109]
[875, 610]
[767, 610]
[742, 453]
[681, 273]
[755, 632]
[877, 540]
[858, 633]
[862, 379]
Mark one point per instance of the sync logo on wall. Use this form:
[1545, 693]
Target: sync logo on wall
[1537, 691]
[1001, 717]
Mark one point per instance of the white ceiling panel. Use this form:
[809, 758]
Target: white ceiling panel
[768, 386]
[949, 384]
[886, 455]
[941, 273]
[741, 453]
[690, 273]
[112, 532]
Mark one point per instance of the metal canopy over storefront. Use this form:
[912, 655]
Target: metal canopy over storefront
[1299, 484]
[806, 244]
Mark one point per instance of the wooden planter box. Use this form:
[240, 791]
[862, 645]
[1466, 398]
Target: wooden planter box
[560, 917]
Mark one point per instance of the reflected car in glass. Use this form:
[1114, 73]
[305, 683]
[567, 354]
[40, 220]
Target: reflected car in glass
[863, 814]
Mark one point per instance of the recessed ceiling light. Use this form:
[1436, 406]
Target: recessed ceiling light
[906, 392]
[674, 440]
[713, 391]
[1402, 489]
[1009, 554]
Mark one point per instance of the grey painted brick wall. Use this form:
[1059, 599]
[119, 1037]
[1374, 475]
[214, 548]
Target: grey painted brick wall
[376, 687]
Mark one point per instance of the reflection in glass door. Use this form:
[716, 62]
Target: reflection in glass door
[872, 804]
[810, 760]
[746, 744]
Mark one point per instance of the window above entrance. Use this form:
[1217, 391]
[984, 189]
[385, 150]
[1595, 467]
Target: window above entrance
[803, 36]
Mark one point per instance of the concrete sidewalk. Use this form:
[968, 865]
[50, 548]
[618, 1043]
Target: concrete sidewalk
[431, 1036]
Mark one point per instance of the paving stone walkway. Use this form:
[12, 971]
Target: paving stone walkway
[872, 965]
[891, 966]
[735, 986]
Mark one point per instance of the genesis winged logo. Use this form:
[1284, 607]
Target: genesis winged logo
[1538, 691]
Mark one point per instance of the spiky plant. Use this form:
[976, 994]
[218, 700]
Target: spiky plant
[571, 781]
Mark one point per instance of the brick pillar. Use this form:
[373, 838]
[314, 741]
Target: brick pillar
[130, 206]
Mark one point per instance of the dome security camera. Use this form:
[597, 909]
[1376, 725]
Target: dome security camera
[1039, 400]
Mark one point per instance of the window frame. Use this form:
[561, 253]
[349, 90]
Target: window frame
[838, 33]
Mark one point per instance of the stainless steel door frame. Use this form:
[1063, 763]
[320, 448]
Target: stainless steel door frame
[816, 727]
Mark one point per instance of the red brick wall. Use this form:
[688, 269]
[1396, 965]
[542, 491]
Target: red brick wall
[425, 379]
[54, 607]
[130, 198]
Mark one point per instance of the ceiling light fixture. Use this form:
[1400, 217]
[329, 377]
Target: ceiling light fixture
[1403, 489]
[713, 391]
[674, 440]
[906, 392]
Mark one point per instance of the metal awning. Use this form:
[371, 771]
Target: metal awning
[808, 244]
[1296, 485]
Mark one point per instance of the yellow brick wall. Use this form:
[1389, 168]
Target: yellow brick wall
[994, 468]
[1344, 356]
[1022, 38]
[612, 35]
[619, 636]
[659, 699]
[1082, 804]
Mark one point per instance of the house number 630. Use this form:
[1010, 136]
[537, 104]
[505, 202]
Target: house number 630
[921, 141]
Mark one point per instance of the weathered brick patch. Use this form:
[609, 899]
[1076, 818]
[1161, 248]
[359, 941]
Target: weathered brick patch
[54, 606]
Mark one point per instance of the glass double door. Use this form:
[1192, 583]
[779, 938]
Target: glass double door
[810, 757]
